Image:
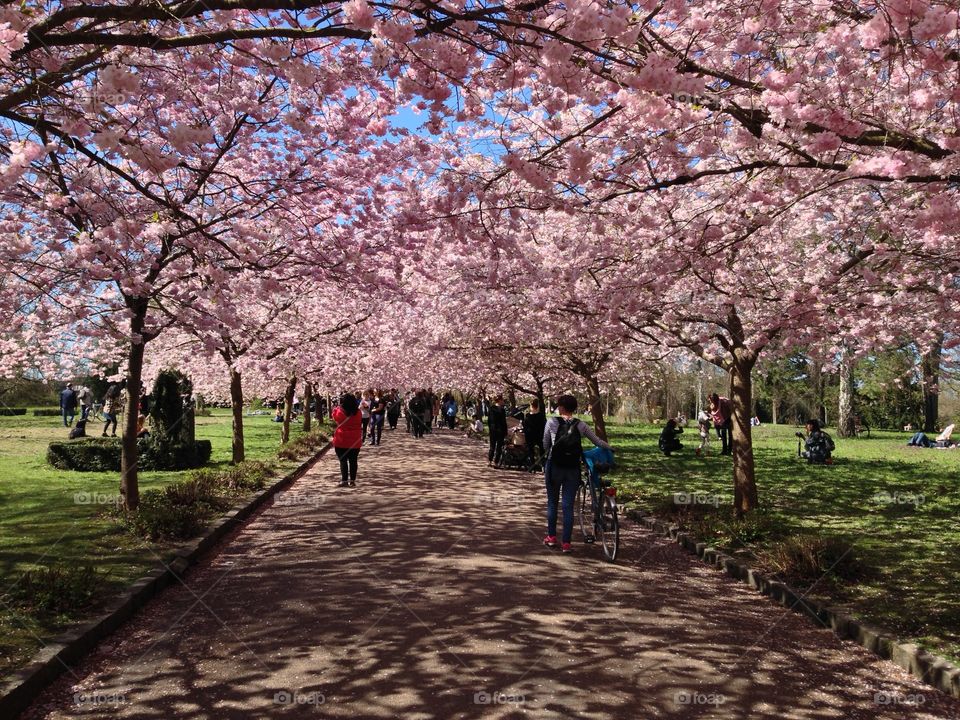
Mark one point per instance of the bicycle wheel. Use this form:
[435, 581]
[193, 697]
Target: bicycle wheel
[608, 527]
[583, 511]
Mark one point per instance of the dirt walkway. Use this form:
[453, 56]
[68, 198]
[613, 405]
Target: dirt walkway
[425, 593]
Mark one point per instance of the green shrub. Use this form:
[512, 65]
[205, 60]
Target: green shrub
[7, 412]
[156, 453]
[807, 558]
[56, 589]
[178, 511]
[103, 454]
[47, 412]
[306, 443]
[88, 454]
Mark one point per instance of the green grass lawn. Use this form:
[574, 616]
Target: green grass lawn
[43, 524]
[897, 506]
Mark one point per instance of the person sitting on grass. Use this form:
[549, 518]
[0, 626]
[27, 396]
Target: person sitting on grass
[79, 430]
[819, 445]
[668, 437]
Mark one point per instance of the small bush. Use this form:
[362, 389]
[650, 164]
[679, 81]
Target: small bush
[88, 454]
[103, 454]
[178, 511]
[807, 558]
[56, 589]
[158, 454]
[7, 412]
[307, 443]
[47, 412]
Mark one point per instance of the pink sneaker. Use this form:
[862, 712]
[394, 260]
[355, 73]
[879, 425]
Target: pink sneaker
[566, 547]
[550, 541]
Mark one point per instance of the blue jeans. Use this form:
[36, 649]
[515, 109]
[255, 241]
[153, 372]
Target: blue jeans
[561, 482]
[376, 428]
[68, 415]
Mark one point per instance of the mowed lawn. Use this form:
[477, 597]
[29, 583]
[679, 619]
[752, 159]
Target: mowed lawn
[898, 506]
[52, 517]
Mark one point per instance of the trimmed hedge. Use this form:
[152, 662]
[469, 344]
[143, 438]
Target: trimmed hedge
[47, 412]
[103, 455]
[88, 454]
[7, 412]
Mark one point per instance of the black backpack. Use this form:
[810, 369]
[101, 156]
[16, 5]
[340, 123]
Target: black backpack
[567, 450]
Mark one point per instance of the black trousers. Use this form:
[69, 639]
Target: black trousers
[496, 448]
[723, 432]
[348, 463]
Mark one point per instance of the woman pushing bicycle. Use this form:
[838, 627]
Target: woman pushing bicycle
[564, 452]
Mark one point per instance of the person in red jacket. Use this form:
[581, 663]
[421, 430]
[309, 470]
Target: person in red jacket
[347, 438]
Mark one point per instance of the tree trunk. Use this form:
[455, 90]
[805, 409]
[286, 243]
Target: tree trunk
[288, 409]
[129, 480]
[307, 397]
[511, 398]
[236, 403]
[741, 397]
[930, 365]
[845, 409]
[540, 395]
[596, 407]
[774, 407]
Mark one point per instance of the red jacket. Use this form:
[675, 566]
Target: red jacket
[348, 433]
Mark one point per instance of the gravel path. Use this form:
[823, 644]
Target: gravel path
[426, 593]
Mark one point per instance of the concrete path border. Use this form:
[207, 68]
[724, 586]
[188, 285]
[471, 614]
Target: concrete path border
[68, 648]
[930, 668]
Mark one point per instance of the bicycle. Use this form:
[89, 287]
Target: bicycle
[860, 428]
[596, 503]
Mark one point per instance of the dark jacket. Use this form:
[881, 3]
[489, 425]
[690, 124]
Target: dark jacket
[533, 427]
[497, 421]
[68, 399]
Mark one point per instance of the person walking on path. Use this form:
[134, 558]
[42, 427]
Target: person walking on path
[378, 411]
[721, 412]
[534, 423]
[415, 411]
[393, 408]
[347, 438]
[562, 441]
[365, 401]
[497, 428]
[111, 408]
[68, 404]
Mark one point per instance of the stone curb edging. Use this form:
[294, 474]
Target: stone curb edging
[65, 650]
[926, 666]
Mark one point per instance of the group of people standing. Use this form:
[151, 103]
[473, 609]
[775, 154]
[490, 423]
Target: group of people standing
[71, 398]
[718, 416]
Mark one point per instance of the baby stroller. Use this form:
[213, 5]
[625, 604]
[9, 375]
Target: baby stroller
[514, 451]
[516, 454]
